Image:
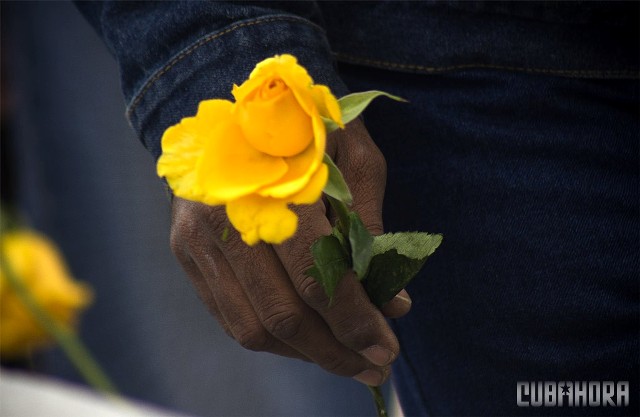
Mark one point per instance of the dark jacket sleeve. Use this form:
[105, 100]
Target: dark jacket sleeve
[172, 55]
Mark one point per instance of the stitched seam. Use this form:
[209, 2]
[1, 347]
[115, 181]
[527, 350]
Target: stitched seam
[428, 69]
[201, 42]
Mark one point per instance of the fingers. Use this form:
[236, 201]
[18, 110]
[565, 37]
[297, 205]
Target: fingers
[365, 170]
[354, 321]
[254, 296]
[282, 313]
[262, 296]
[217, 284]
[236, 310]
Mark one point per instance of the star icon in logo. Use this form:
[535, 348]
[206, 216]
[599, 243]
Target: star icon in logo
[565, 388]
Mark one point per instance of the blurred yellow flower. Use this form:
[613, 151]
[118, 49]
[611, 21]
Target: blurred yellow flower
[36, 261]
[257, 155]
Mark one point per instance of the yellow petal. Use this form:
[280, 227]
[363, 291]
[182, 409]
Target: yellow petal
[327, 104]
[286, 68]
[180, 153]
[36, 261]
[277, 126]
[320, 136]
[300, 167]
[183, 145]
[313, 190]
[301, 84]
[230, 167]
[259, 218]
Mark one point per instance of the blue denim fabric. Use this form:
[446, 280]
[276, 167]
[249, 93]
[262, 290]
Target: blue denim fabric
[82, 178]
[586, 39]
[520, 145]
[174, 54]
[533, 180]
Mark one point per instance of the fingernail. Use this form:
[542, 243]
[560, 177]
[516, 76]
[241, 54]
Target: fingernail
[404, 296]
[369, 377]
[378, 355]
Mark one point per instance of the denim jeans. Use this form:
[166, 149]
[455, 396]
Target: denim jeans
[520, 145]
[533, 180]
[84, 180]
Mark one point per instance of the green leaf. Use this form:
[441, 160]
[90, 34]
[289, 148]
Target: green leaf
[341, 238]
[330, 125]
[397, 259]
[411, 244]
[361, 245]
[330, 263]
[336, 186]
[388, 274]
[353, 104]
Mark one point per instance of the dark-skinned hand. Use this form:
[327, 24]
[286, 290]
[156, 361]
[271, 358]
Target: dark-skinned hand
[261, 295]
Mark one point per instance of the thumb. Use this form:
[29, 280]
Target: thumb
[365, 171]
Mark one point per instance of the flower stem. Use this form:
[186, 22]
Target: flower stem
[342, 211]
[72, 346]
[378, 399]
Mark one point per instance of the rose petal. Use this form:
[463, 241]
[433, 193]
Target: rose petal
[327, 104]
[313, 191]
[278, 126]
[230, 168]
[182, 146]
[287, 69]
[301, 167]
[258, 218]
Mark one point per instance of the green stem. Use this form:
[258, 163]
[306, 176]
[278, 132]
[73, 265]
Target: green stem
[342, 211]
[72, 346]
[378, 399]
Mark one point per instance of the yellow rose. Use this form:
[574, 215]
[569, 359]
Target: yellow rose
[257, 155]
[36, 261]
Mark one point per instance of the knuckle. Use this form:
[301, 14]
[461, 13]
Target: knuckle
[358, 333]
[368, 159]
[336, 364]
[299, 265]
[252, 337]
[311, 292]
[216, 220]
[285, 322]
[375, 226]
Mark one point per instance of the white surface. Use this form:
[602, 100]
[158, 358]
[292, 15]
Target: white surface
[23, 395]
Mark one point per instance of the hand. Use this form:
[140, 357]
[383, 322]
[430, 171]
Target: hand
[261, 295]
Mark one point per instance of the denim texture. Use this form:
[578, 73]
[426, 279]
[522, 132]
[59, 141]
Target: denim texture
[581, 39]
[520, 145]
[82, 178]
[174, 54]
[533, 180]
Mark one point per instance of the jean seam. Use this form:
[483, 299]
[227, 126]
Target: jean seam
[626, 74]
[201, 42]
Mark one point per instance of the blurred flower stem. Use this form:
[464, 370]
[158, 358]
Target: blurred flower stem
[69, 342]
[379, 401]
